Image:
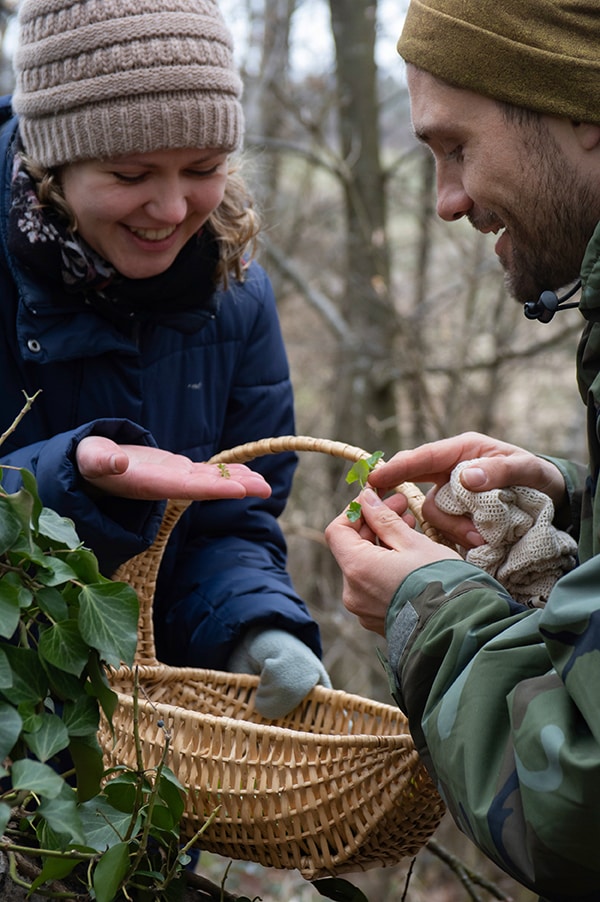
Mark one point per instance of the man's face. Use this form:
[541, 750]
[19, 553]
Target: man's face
[519, 180]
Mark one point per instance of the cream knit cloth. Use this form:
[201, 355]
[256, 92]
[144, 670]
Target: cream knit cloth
[522, 550]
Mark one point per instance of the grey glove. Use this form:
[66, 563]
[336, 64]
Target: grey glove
[288, 669]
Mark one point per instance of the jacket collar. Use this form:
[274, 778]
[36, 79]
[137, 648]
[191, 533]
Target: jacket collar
[590, 279]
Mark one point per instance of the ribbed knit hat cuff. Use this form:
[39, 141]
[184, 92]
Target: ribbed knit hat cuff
[548, 79]
[111, 129]
[104, 78]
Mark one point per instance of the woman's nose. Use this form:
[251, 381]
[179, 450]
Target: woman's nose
[168, 203]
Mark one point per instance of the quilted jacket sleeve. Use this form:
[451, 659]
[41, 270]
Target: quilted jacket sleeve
[115, 528]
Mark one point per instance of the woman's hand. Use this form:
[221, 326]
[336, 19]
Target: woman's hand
[376, 553]
[150, 474]
[499, 465]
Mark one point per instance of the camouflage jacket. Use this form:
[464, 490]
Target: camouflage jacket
[504, 700]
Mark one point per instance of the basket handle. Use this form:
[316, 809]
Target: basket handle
[141, 572]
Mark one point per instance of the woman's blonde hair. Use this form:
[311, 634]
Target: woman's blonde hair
[235, 223]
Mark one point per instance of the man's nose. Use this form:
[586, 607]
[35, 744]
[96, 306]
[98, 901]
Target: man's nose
[453, 202]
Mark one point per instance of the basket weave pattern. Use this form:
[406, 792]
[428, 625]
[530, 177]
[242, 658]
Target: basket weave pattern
[333, 787]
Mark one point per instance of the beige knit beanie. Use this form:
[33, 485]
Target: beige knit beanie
[543, 55]
[102, 78]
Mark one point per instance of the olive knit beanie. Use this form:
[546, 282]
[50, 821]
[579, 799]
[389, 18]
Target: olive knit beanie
[102, 78]
[543, 55]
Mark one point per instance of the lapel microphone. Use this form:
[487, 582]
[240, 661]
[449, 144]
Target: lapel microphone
[548, 304]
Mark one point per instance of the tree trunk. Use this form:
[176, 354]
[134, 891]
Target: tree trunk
[364, 405]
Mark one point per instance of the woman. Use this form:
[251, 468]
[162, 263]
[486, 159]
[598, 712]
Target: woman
[129, 302]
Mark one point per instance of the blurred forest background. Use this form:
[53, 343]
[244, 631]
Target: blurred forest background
[398, 327]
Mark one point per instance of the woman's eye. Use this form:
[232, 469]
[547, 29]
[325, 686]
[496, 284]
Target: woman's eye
[205, 173]
[128, 179]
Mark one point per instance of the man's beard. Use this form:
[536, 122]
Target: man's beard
[549, 241]
[549, 255]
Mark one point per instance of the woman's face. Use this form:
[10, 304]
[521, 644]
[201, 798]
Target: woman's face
[138, 211]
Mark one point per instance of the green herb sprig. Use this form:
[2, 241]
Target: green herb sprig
[359, 472]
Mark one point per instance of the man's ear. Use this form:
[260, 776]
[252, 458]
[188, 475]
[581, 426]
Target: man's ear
[587, 134]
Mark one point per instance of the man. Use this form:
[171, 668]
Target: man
[503, 699]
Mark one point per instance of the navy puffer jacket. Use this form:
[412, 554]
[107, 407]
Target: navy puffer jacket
[193, 383]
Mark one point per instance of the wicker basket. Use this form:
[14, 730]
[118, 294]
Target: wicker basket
[335, 786]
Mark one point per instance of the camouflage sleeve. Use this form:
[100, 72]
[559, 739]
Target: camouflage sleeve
[503, 705]
[575, 476]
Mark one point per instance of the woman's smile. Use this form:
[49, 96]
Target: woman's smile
[139, 211]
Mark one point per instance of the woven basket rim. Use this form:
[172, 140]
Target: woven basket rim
[319, 694]
[251, 728]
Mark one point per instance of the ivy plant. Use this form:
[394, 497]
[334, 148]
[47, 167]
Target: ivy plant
[63, 625]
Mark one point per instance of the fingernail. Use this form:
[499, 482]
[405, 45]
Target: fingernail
[474, 539]
[473, 477]
[371, 498]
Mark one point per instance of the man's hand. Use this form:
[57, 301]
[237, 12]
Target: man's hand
[502, 465]
[150, 474]
[376, 553]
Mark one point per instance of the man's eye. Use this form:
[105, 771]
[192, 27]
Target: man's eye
[456, 154]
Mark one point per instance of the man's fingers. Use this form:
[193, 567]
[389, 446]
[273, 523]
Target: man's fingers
[457, 528]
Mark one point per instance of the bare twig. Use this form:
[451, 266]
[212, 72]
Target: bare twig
[467, 877]
[26, 408]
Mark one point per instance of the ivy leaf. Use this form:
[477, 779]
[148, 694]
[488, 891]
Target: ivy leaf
[172, 792]
[62, 816]
[63, 685]
[52, 603]
[85, 565]
[32, 718]
[50, 738]
[36, 777]
[354, 511]
[110, 872]
[54, 869]
[5, 815]
[108, 617]
[162, 818]
[55, 571]
[358, 472]
[10, 608]
[89, 765]
[10, 525]
[100, 688]
[10, 729]
[58, 529]
[103, 825]
[339, 890]
[29, 680]
[21, 504]
[122, 792]
[62, 645]
[30, 486]
[81, 716]
[6, 677]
